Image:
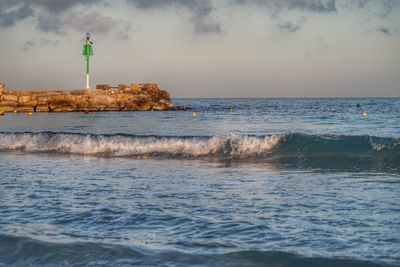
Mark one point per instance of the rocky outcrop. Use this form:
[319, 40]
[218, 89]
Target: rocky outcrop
[136, 97]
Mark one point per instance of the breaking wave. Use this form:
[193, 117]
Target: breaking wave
[137, 146]
[221, 147]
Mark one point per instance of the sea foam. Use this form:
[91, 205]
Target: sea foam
[125, 146]
[226, 147]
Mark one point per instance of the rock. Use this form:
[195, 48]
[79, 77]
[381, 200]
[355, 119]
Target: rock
[129, 104]
[62, 108]
[27, 101]
[23, 99]
[7, 108]
[180, 108]
[78, 92]
[42, 100]
[135, 88]
[145, 106]
[82, 104]
[158, 107]
[9, 97]
[42, 108]
[103, 86]
[163, 105]
[62, 103]
[122, 87]
[32, 103]
[166, 102]
[112, 108]
[25, 109]
[7, 103]
[136, 97]
[101, 100]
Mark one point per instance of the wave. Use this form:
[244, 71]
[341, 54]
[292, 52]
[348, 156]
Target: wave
[299, 146]
[137, 146]
[24, 251]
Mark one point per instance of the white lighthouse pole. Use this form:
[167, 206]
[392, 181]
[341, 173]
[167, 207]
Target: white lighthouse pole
[87, 81]
[87, 72]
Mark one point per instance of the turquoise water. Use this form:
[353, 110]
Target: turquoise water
[246, 182]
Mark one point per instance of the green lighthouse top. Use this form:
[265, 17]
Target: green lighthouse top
[87, 47]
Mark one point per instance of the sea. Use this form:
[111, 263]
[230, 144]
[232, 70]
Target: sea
[231, 182]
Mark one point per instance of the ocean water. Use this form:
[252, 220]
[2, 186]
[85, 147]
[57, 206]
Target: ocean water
[246, 182]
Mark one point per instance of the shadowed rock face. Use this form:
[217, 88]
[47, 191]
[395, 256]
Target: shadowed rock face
[137, 97]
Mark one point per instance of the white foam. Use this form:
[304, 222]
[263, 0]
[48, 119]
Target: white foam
[231, 146]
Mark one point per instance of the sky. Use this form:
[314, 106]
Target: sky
[206, 48]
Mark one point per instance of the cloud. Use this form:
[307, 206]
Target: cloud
[388, 6]
[201, 24]
[54, 16]
[58, 23]
[314, 5]
[11, 12]
[93, 22]
[381, 8]
[123, 30]
[385, 30]
[48, 22]
[60, 6]
[57, 16]
[358, 3]
[310, 5]
[38, 41]
[51, 14]
[47, 12]
[200, 10]
[200, 7]
[291, 26]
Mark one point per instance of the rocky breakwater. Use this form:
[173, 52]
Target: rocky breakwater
[136, 97]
